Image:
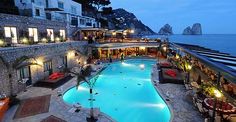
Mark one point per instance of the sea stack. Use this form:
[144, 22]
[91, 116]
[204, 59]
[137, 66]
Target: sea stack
[166, 30]
[195, 30]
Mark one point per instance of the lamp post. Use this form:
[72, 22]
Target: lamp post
[188, 68]
[217, 94]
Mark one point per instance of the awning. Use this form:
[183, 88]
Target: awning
[53, 9]
[93, 29]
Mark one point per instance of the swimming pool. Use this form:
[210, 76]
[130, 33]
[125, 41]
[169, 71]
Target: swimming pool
[124, 91]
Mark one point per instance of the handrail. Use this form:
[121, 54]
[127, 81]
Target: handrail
[215, 66]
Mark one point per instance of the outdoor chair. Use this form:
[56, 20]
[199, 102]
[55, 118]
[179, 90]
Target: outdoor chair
[201, 109]
[76, 107]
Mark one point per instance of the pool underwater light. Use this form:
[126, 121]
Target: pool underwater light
[142, 66]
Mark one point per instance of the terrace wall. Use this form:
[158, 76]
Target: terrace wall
[55, 52]
[22, 23]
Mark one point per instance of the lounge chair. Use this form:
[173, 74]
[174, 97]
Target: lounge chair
[76, 108]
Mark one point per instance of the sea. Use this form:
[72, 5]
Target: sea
[222, 42]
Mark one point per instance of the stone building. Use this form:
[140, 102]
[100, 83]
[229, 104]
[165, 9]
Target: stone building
[15, 29]
[35, 63]
[31, 49]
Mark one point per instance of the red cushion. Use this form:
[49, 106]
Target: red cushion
[56, 75]
[170, 72]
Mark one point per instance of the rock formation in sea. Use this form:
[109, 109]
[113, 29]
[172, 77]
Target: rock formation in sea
[187, 31]
[195, 30]
[166, 30]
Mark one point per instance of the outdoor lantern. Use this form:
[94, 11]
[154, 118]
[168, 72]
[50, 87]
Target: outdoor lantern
[189, 67]
[57, 39]
[131, 31]
[44, 40]
[165, 48]
[25, 40]
[39, 61]
[177, 56]
[217, 93]
[85, 62]
[113, 33]
[1, 42]
[71, 54]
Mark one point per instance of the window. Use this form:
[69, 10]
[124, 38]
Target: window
[73, 10]
[63, 34]
[23, 73]
[50, 34]
[60, 5]
[82, 21]
[37, 12]
[33, 32]
[74, 21]
[47, 66]
[10, 32]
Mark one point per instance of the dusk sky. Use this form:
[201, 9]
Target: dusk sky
[216, 16]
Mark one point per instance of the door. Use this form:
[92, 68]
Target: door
[24, 75]
[65, 62]
[48, 67]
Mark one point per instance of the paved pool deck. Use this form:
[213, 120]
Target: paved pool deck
[178, 99]
[57, 106]
[180, 103]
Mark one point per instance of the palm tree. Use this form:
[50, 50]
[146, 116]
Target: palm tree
[81, 77]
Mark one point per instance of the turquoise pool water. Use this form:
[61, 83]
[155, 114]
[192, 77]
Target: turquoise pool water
[124, 92]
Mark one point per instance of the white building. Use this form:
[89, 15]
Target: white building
[57, 10]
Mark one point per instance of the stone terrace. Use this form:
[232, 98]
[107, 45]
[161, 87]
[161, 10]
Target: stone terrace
[180, 100]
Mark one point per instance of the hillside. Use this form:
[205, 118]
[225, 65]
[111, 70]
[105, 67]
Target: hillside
[122, 19]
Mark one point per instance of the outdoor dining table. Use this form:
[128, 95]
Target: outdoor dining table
[221, 106]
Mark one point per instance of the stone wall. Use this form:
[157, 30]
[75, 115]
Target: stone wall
[54, 52]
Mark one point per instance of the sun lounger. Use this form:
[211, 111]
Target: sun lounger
[72, 110]
[75, 108]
